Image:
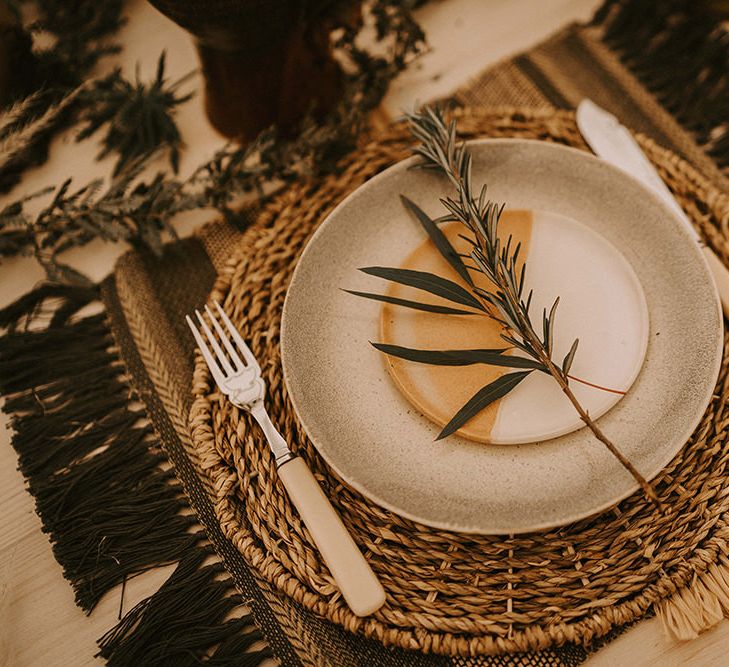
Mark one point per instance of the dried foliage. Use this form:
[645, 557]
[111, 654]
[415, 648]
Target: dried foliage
[77, 34]
[138, 118]
[138, 210]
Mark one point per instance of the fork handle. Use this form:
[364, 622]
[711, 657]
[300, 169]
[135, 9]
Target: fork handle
[354, 576]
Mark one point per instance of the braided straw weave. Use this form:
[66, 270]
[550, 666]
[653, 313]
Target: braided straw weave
[452, 593]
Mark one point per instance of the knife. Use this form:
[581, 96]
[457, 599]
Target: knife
[612, 142]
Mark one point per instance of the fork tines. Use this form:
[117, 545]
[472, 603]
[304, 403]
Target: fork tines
[221, 365]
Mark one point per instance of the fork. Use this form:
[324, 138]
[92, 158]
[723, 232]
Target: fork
[238, 376]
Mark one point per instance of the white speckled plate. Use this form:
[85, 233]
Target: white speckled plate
[373, 437]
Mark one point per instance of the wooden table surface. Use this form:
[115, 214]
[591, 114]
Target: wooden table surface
[39, 622]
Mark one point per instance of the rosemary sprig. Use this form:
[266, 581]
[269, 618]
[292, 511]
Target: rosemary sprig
[505, 302]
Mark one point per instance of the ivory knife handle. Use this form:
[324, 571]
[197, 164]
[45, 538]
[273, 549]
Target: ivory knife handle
[354, 576]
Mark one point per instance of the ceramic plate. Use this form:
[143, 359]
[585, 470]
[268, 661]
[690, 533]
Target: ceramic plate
[655, 306]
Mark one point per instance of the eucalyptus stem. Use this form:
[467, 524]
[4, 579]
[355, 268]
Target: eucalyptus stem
[498, 262]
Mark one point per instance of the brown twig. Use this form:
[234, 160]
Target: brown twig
[649, 491]
[526, 330]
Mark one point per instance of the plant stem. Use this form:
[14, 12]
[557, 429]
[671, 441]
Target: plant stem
[527, 331]
[598, 433]
[563, 382]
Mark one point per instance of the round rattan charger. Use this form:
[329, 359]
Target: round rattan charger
[447, 592]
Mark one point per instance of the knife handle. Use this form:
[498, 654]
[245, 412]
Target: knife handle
[721, 278]
[354, 576]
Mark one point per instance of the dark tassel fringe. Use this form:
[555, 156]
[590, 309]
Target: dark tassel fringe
[90, 462]
[66, 301]
[187, 622]
[680, 51]
[102, 491]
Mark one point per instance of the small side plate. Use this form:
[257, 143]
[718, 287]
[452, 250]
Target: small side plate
[601, 303]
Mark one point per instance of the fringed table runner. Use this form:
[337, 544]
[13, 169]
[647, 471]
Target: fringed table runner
[119, 436]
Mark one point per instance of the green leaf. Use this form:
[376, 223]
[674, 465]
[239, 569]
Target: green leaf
[481, 399]
[427, 282]
[439, 239]
[416, 305]
[550, 320]
[567, 363]
[528, 301]
[492, 357]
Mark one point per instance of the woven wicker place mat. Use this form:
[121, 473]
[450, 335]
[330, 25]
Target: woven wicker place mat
[452, 593]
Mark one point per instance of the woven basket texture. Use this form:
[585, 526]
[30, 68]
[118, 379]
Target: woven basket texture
[452, 593]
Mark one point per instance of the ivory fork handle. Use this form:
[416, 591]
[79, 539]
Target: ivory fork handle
[354, 576]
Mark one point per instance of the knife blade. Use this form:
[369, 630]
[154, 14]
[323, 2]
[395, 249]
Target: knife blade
[614, 143]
